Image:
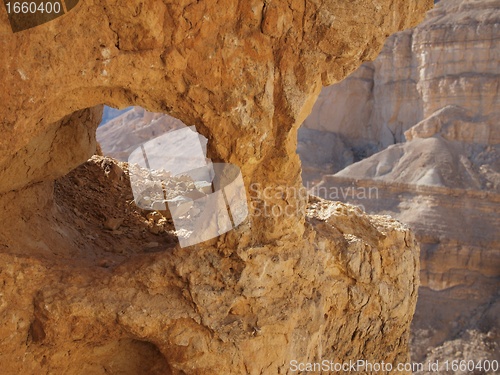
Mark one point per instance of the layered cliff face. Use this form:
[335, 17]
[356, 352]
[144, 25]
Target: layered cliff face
[424, 116]
[448, 60]
[93, 284]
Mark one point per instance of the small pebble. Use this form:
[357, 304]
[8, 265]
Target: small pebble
[113, 223]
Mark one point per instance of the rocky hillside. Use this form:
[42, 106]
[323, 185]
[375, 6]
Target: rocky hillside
[110, 113]
[422, 122]
[120, 135]
[92, 284]
[450, 60]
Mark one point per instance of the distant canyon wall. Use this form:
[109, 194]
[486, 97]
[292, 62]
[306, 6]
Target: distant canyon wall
[420, 126]
[451, 59]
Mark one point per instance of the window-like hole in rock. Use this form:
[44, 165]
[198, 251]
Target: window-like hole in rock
[161, 182]
[97, 197]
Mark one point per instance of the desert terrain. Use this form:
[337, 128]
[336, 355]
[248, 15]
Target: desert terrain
[92, 283]
[415, 134]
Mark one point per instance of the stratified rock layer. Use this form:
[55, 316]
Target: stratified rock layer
[451, 59]
[423, 117]
[82, 291]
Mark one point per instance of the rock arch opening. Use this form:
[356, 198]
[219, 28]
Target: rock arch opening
[171, 175]
[246, 76]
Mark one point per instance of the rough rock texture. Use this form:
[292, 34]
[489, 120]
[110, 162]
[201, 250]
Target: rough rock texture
[460, 260]
[82, 291]
[482, 347]
[252, 68]
[128, 301]
[434, 92]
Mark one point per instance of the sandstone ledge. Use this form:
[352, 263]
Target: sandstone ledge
[82, 300]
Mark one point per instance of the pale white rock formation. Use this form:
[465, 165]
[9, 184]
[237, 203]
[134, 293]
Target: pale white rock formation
[457, 124]
[433, 161]
[451, 59]
[121, 135]
[424, 119]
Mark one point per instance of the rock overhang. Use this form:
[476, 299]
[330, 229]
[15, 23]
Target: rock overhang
[246, 77]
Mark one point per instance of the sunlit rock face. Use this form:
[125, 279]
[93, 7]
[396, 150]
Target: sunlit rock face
[448, 60]
[422, 122]
[94, 284]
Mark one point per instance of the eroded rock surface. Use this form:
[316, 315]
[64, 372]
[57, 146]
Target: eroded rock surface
[423, 117]
[79, 297]
[449, 60]
[82, 290]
